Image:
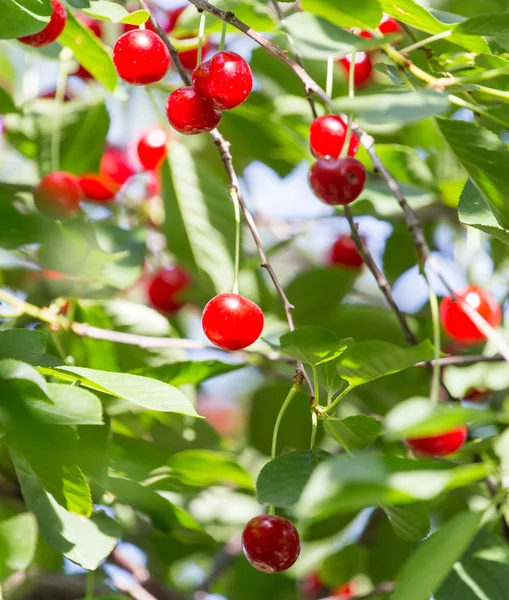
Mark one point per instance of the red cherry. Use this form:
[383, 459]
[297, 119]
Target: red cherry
[225, 80]
[188, 113]
[173, 16]
[458, 325]
[166, 288]
[232, 322]
[439, 445]
[389, 25]
[151, 147]
[337, 181]
[475, 395]
[58, 195]
[141, 57]
[344, 253]
[52, 30]
[343, 593]
[366, 34]
[327, 136]
[311, 586]
[98, 188]
[115, 166]
[362, 70]
[271, 544]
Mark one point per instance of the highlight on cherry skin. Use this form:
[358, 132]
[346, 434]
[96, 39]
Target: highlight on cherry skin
[52, 30]
[151, 147]
[439, 445]
[232, 322]
[271, 543]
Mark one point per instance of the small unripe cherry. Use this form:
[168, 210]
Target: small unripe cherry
[344, 253]
[166, 289]
[327, 136]
[225, 80]
[189, 113]
[151, 147]
[337, 181]
[439, 445]
[141, 57]
[362, 69]
[232, 322]
[58, 195]
[456, 322]
[52, 30]
[270, 543]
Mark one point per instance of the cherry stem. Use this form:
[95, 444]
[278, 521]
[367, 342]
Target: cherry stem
[90, 585]
[329, 84]
[65, 57]
[335, 434]
[314, 427]
[435, 317]
[222, 42]
[426, 41]
[200, 36]
[293, 390]
[351, 95]
[235, 198]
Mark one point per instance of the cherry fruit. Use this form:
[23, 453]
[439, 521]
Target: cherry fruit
[141, 57]
[327, 136]
[151, 148]
[114, 171]
[439, 445]
[389, 25]
[189, 113]
[52, 30]
[476, 395]
[337, 181]
[344, 253]
[225, 80]
[456, 322]
[98, 188]
[232, 322]
[58, 195]
[343, 593]
[166, 288]
[270, 543]
[362, 69]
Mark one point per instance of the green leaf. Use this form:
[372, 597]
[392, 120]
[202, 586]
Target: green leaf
[18, 541]
[199, 218]
[282, 480]
[69, 405]
[202, 468]
[14, 370]
[489, 25]
[418, 417]
[6, 103]
[365, 13]
[137, 17]
[312, 345]
[89, 51]
[356, 432]
[429, 565]
[341, 567]
[395, 107]
[317, 38]
[109, 11]
[370, 360]
[475, 211]
[86, 542]
[143, 391]
[485, 158]
[410, 521]
[22, 344]
[23, 18]
[189, 372]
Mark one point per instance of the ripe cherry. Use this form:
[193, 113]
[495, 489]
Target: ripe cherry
[114, 171]
[232, 322]
[270, 543]
[188, 113]
[343, 593]
[151, 147]
[362, 70]
[476, 395]
[52, 30]
[166, 288]
[458, 324]
[337, 181]
[141, 57]
[225, 80]
[344, 253]
[311, 587]
[439, 445]
[58, 195]
[389, 25]
[327, 136]
[98, 188]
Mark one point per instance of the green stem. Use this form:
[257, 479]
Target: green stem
[159, 114]
[474, 108]
[65, 57]
[426, 41]
[435, 316]
[337, 400]
[222, 42]
[90, 585]
[235, 198]
[315, 385]
[336, 434]
[351, 95]
[294, 389]
[314, 428]
[329, 84]
[200, 36]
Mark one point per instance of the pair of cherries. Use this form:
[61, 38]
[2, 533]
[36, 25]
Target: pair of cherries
[221, 83]
[334, 180]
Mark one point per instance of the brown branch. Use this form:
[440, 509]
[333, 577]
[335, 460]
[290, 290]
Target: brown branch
[464, 361]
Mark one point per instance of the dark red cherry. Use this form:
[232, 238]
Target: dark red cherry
[389, 25]
[151, 147]
[52, 30]
[311, 587]
[166, 288]
[189, 113]
[337, 181]
[327, 136]
[344, 253]
[271, 544]
[141, 57]
[439, 445]
[476, 395]
[115, 166]
[232, 322]
[458, 325]
[58, 195]
[363, 68]
[225, 80]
